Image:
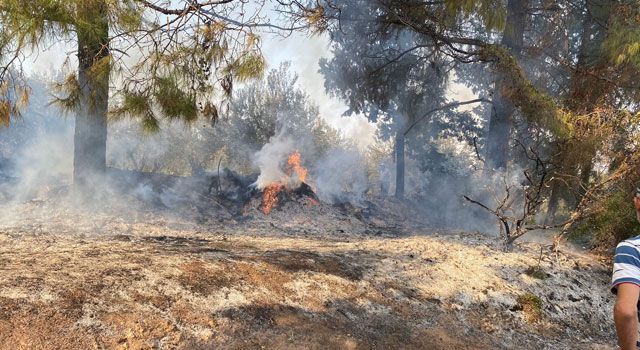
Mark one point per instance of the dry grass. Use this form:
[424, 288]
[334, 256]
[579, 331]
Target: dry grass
[153, 283]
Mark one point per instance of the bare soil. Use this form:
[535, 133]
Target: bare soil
[82, 279]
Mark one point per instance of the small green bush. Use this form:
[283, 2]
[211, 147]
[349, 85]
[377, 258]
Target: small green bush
[531, 306]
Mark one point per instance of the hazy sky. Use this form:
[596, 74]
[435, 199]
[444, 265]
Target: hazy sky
[304, 52]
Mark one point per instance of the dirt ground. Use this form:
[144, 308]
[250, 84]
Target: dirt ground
[89, 280]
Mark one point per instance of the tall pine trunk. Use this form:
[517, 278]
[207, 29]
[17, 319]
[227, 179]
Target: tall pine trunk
[399, 149]
[90, 137]
[500, 124]
[554, 202]
[585, 174]
[586, 88]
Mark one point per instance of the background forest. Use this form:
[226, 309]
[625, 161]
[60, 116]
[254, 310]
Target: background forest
[547, 137]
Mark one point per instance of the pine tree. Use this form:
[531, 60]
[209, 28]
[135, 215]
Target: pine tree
[185, 57]
[501, 120]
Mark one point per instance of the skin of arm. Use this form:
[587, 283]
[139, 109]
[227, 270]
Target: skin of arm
[625, 310]
[625, 315]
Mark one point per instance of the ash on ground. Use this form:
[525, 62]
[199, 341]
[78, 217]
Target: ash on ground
[171, 264]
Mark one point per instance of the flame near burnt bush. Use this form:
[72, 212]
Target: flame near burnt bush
[296, 174]
[270, 197]
[294, 161]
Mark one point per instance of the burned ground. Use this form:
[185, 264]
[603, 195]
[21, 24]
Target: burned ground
[76, 279]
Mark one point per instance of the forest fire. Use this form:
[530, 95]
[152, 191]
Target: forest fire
[294, 161]
[319, 174]
[296, 175]
[270, 197]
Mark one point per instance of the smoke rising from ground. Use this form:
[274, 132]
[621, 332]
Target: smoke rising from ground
[42, 165]
[38, 153]
[270, 161]
[341, 176]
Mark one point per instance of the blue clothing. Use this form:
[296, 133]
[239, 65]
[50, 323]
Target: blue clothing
[626, 263]
[626, 266]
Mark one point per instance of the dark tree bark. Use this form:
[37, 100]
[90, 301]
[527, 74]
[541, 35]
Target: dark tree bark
[399, 149]
[585, 91]
[554, 201]
[586, 88]
[559, 191]
[90, 137]
[585, 174]
[500, 124]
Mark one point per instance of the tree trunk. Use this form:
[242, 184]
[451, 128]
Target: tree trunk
[90, 137]
[497, 151]
[399, 148]
[499, 130]
[585, 175]
[554, 201]
[585, 91]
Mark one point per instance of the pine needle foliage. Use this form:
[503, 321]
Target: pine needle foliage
[492, 13]
[66, 94]
[161, 59]
[173, 101]
[623, 39]
[536, 106]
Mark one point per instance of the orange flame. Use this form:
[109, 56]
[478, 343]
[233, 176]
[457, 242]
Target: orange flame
[271, 191]
[270, 197]
[294, 164]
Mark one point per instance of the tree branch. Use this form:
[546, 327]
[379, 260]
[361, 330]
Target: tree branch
[443, 107]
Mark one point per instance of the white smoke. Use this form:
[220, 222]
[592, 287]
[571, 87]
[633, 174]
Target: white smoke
[341, 176]
[270, 161]
[44, 164]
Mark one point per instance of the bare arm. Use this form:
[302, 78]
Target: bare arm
[625, 315]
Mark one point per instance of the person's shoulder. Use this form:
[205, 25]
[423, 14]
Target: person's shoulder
[633, 242]
[628, 250]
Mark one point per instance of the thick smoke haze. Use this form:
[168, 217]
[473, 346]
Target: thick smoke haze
[341, 176]
[45, 162]
[270, 160]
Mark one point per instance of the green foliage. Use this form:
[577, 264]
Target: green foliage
[531, 306]
[174, 102]
[249, 66]
[536, 106]
[257, 112]
[614, 221]
[275, 104]
[127, 15]
[67, 94]
[137, 105]
[492, 12]
[30, 23]
[180, 61]
[623, 37]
